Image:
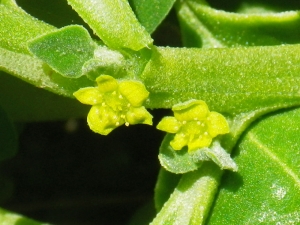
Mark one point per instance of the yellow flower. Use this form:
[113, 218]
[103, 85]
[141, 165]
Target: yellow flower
[193, 125]
[114, 103]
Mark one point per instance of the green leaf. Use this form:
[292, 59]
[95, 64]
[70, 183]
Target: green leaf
[181, 161]
[114, 22]
[203, 26]
[8, 137]
[9, 218]
[218, 155]
[34, 71]
[176, 161]
[151, 13]
[17, 27]
[65, 50]
[266, 189]
[231, 81]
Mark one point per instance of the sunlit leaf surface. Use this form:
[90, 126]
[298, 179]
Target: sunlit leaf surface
[266, 190]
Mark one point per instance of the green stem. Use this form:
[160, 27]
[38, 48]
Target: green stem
[231, 80]
[191, 200]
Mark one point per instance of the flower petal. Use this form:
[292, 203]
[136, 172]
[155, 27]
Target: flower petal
[190, 110]
[169, 124]
[179, 141]
[139, 116]
[107, 83]
[217, 124]
[134, 91]
[89, 95]
[200, 142]
[103, 120]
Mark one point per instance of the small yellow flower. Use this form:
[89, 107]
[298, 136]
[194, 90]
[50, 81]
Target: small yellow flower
[114, 103]
[193, 125]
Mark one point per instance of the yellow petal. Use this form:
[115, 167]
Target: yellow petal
[107, 83]
[179, 141]
[134, 91]
[139, 116]
[88, 95]
[217, 124]
[169, 124]
[190, 110]
[103, 120]
[201, 142]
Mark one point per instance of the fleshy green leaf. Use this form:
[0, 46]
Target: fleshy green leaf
[17, 27]
[203, 26]
[151, 13]
[230, 80]
[217, 154]
[65, 50]
[34, 71]
[8, 137]
[179, 161]
[114, 22]
[266, 189]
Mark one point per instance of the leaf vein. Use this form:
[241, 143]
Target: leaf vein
[274, 157]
